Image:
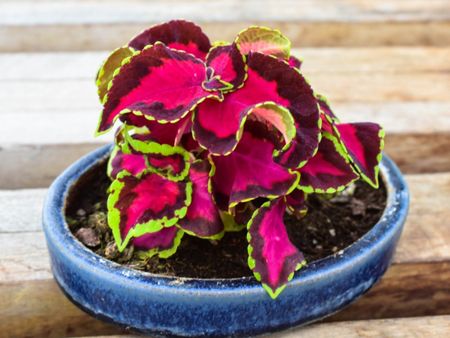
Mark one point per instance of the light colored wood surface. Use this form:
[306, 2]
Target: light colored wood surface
[39, 309]
[427, 227]
[98, 24]
[404, 89]
[62, 83]
[432, 327]
[418, 280]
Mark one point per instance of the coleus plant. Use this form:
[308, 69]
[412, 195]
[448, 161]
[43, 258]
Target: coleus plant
[218, 137]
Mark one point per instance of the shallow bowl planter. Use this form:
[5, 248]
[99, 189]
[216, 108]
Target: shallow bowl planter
[216, 307]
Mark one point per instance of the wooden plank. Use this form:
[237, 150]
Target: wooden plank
[94, 25]
[76, 96]
[64, 83]
[416, 285]
[39, 309]
[428, 223]
[88, 11]
[56, 90]
[407, 290]
[78, 37]
[427, 228]
[27, 206]
[27, 166]
[420, 153]
[36, 166]
[427, 326]
[76, 127]
[84, 65]
[61, 318]
[368, 84]
[29, 82]
[432, 326]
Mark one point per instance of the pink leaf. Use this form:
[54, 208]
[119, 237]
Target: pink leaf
[295, 62]
[202, 218]
[272, 257]
[145, 204]
[163, 243]
[177, 34]
[329, 170]
[131, 163]
[228, 65]
[161, 83]
[218, 126]
[250, 172]
[296, 202]
[363, 142]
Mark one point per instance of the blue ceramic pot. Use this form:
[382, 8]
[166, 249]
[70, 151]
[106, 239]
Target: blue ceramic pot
[216, 307]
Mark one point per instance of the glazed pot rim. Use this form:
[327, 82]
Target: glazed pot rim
[58, 232]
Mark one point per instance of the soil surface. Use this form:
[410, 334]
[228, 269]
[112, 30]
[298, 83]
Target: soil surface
[331, 224]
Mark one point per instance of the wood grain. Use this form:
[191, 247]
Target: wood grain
[407, 290]
[432, 326]
[27, 206]
[28, 166]
[80, 96]
[36, 166]
[404, 89]
[39, 309]
[429, 326]
[84, 65]
[416, 285]
[25, 255]
[61, 84]
[95, 25]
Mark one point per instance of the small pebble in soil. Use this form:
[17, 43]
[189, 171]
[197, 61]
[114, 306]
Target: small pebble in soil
[331, 224]
[358, 207]
[111, 250]
[88, 237]
[81, 212]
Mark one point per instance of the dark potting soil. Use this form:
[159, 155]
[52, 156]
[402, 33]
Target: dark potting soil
[331, 224]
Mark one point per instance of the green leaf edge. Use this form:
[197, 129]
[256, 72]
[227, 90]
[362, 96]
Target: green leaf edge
[339, 148]
[229, 222]
[140, 228]
[252, 262]
[303, 211]
[286, 53]
[151, 147]
[113, 154]
[101, 71]
[379, 157]
[140, 113]
[239, 133]
[276, 152]
[324, 99]
[244, 59]
[142, 254]
[219, 235]
[233, 204]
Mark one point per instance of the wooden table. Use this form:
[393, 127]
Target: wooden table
[386, 61]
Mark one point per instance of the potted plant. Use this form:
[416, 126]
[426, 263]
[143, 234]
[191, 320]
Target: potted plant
[226, 171]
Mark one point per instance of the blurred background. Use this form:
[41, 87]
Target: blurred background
[386, 61]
